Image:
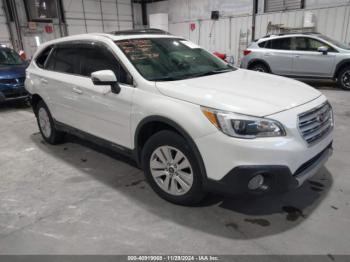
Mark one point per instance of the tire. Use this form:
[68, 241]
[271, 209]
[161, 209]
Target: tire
[175, 177]
[260, 67]
[46, 125]
[343, 79]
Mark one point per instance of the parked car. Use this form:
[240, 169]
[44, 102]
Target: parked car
[192, 122]
[307, 55]
[12, 76]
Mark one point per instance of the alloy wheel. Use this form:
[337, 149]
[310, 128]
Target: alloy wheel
[44, 122]
[171, 170]
[345, 79]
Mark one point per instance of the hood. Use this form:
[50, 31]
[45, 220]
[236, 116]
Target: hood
[13, 71]
[241, 91]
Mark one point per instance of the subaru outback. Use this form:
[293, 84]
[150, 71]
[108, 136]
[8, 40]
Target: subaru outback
[192, 122]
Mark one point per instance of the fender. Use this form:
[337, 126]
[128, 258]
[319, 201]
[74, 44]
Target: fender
[340, 65]
[180, 130]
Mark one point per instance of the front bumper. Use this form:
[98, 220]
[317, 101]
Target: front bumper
[287, 160]
[10, 94]
[277, 179]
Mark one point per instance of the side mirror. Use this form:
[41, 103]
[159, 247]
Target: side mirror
[323, 50]
[106, 78]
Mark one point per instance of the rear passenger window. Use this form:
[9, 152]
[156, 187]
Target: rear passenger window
[262, 44]
[64, 60]
[42, 57]
[280, 44]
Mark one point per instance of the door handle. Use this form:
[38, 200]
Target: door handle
[267, 54]
[297, 56]
[77, 90]
[44, 81]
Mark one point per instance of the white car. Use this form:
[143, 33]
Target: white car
[191, 121]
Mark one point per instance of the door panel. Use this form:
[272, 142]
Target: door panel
[313, 64]
[103, 115]
[279, 56]
[280, 61]
[63, 99]
[308, 61]
[58, 79]
[77, 102]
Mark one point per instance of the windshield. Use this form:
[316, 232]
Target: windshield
[168, 59]
[9, 57]
[335, 42]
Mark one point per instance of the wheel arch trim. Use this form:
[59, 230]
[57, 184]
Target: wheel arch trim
[340, 65]
[258, 60]
[178, 128]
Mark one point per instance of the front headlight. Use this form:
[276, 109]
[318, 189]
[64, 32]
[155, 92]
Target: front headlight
[243, 126]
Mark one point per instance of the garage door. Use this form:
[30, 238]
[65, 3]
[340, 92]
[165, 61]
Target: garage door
[88, 16]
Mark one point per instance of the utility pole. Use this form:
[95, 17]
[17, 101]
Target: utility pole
[255, 6]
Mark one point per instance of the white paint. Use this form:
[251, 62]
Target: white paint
[37, 40]
[116, 117]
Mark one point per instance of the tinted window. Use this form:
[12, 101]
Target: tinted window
[169, 59]
[9, 57]
[335, 42]
[41, 59]
[65, 60]
[281, 44]
[262, 44]
[96, 58]
[309, 44]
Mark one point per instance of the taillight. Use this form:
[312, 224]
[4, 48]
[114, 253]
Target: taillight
[247, 52]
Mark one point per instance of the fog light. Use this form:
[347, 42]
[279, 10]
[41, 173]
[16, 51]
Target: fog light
[256, 182]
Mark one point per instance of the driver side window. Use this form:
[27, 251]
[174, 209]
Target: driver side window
[309, 44]
[95, 58]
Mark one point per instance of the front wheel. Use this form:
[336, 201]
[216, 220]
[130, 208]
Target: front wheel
[343, 80]
[171, 168]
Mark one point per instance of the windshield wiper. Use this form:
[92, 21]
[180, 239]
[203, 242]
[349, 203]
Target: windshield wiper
[164, 78]
[213, 72]
[173, 78]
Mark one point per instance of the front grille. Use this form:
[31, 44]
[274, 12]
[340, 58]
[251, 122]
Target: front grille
[13, 93]
[316, 123]
[12, 81]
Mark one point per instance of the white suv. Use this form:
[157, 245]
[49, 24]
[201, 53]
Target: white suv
[191, 121]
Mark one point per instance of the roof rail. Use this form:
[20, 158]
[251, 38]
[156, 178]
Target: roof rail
[141, 31]
[292, 33]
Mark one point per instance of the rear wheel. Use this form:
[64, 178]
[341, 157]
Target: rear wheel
[343, 79]
[46, 125]
[259, 67]
[172, 169]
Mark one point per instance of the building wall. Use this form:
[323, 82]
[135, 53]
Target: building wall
[230, 33]
[81, 16]
[4, 32]
[331, 21]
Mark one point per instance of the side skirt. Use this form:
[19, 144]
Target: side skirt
[96, 140]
